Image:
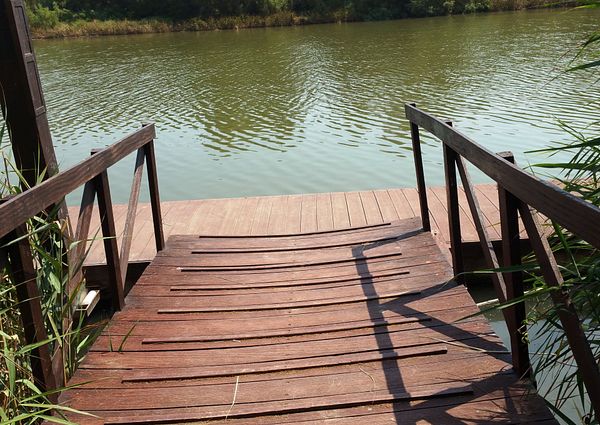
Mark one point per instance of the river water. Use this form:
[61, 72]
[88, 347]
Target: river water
[316, 108]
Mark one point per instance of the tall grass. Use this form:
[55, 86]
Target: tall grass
[21, 400]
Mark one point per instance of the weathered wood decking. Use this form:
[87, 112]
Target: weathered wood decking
[353, 326]
[297, 213]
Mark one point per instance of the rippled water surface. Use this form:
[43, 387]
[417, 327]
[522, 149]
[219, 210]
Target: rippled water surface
[316, 108]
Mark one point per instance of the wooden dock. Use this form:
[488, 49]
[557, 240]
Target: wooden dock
[346, 326]
[297, 213]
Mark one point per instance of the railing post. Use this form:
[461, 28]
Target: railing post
[511, 256]
[159, 235]
[30, 307]
[109, 234]
[450, 159]
[587, 365]
[421, 186]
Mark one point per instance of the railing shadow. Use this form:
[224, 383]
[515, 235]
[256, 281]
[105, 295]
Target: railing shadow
[391, 368]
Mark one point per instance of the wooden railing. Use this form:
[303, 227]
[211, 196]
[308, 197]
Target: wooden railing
[520, 193]
[91, 173]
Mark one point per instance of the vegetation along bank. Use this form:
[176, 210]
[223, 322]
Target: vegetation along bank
[72, 18]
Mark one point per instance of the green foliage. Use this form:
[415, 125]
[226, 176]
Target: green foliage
[47, 15]
[21, 401]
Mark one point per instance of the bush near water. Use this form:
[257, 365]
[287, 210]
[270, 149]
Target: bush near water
[64, 18]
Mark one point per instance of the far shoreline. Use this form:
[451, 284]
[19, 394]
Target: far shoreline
[98, 28]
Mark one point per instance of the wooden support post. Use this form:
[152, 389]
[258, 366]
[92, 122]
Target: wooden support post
[23, 98]
[29, 304]
[587, 366]
[109, 234]
[159, 235]
[421, 185]
[450, 159]
[511, 256]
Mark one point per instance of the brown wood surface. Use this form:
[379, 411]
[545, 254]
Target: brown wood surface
[357, 325]
[290, 214]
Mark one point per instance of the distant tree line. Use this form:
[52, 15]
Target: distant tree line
[48, 13]
[185, 9]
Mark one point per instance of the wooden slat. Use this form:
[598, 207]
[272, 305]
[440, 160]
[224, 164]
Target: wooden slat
[341, 218]
[294, 214]
[260, 223]
[278, 216]
[324, 212]
[309, 214]
[386, 206]
[355, 209]
[371, 208]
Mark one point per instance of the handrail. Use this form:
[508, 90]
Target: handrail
[20, 208]
[518, 193]
[92, 173]
[571, 212]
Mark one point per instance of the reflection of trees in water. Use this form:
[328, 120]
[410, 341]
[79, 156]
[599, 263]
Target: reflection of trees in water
[254, 94]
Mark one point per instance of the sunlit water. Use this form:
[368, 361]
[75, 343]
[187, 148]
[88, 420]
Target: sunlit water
[316, 108]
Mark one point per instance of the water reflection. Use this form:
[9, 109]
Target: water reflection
[319, 108]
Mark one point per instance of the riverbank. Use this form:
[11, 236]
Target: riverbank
[83, 27]
[80, 27]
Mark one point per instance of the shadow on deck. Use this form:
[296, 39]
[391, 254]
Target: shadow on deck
[348, 326]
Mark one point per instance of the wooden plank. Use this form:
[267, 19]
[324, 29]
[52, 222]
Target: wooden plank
[260, 223]
[405, 201]
[232, 209]
[341, 217]
[283, 306]
[278, 216]
[371, 208]
[386, 206]
[489, 210]
[294, 214]
[356, 211]
[243, 225]
[471, 334]
[324, 212]
[413, 368]
[208, 216]
[315, 403]
[309, 214]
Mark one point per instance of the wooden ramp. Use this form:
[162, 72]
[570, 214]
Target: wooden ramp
[344, 327]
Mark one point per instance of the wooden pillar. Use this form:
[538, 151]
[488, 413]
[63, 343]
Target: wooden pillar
[450, 159]
[421, 185]
[511, 257]
[23, 100]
